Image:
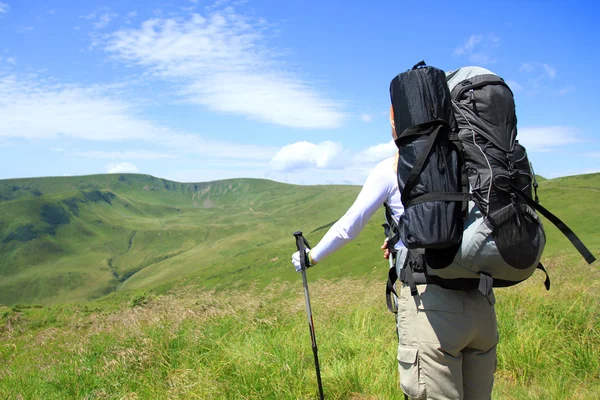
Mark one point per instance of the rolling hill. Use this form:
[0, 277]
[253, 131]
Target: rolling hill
[81, 238]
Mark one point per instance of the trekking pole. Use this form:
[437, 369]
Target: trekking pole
[302, 244]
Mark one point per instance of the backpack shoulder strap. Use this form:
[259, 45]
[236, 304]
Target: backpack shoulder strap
[587, 255]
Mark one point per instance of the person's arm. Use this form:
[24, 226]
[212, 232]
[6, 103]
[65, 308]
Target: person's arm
[374, 193]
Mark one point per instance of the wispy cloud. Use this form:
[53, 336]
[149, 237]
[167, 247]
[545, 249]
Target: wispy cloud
[101, 17]
[479, 49]
[123, 167]
[514, 86]
[24, 29]
[4, 8]
[125, 155]
[34, 110]
[545, 70]
[223, 61]
[566, 90]
[548, 138]
[526, 67]
[366, 117]
[469, 45]
[549, 70]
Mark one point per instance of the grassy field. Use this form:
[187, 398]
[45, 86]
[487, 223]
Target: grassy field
[253, 343]
[139, 291]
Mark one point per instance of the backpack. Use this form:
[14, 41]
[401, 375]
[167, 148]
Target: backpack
[485, 188]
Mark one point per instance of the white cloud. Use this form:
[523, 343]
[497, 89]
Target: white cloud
[566, 90]
[514, 86]
[105, 19]
[35, 110]
[24, 29]
[376, 153]
[223, 61]
[479, 49]
[469, 45]
[303, 155]
[547, 138]
[527, 67]
[482, 59]
[102, 17]
[130, 155]
[4, 8]
[366, 117]
[595, 154]
[327, 162]
[122, 167]
[549, 70]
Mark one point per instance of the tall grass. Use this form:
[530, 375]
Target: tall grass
[255, 344]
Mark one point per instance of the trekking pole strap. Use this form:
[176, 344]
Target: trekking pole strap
[587, 255]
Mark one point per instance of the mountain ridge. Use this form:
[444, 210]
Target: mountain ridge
[82, 238]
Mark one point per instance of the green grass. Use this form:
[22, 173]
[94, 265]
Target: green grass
[253, 343]
[167, 290]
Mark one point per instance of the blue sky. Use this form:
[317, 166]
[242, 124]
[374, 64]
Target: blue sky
[294, 91]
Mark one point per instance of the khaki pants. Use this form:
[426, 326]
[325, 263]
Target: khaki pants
[447, 343]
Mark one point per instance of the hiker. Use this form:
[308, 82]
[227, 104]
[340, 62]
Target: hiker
[447, 338]
[460, 201]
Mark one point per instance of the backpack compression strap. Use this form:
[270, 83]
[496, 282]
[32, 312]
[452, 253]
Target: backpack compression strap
[406, 198]
[587, 255]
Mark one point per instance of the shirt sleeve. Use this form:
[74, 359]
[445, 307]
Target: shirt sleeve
[373, 194]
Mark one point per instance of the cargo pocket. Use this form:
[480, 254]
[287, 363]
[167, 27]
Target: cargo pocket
[410, 372]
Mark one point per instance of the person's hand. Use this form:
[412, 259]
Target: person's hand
[296, 260]
[386, 251]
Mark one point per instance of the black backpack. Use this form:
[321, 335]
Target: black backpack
[470, 197]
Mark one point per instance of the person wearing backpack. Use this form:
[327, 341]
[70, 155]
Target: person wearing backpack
[460, 202]
[447, 338]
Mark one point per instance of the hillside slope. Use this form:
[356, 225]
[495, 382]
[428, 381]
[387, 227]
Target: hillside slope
[80, 238]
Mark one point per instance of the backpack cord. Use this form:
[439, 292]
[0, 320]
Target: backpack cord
[487, 205]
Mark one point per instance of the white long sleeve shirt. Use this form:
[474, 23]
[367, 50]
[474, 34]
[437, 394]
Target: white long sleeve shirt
[380, 187]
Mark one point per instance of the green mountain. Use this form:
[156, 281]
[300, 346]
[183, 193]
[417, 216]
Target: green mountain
[80, 238]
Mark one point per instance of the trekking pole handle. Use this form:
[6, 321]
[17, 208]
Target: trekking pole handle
[301, 245]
